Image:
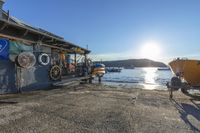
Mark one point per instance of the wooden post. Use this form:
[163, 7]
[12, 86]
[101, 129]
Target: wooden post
[85, 59]
[90, 80]
[18, 78]
[85, 66]
[75, 62]
[99, 79]
[171, 93]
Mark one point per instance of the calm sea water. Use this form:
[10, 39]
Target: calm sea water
[147, 78]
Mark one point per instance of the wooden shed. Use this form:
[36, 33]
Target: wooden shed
[32, 58]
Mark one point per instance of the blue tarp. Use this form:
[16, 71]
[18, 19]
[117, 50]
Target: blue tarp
[4, 49]
[97, 65]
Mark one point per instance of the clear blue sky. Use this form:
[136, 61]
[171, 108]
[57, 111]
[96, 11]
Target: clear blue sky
[117, 29]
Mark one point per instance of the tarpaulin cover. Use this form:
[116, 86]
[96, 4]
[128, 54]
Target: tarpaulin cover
[4, 49]
[17, 47]
[99, 65]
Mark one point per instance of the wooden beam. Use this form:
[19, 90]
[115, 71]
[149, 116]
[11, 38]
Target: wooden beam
[14, 27]
[67, 50]
[50, 41]
[42, 38]
[25, 33]
[18, 39]
[32, 42]
[3, 26]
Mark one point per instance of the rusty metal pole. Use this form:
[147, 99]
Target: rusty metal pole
[90, 80]
[85, 59]
[99, 79]
[85, 66]
[171, 93]
[75, 62]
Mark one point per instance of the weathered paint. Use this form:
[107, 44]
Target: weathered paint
[7, 77]
[38, 76]
[14, 79]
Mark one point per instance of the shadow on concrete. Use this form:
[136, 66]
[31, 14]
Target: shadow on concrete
[7, 102]
[188, 109]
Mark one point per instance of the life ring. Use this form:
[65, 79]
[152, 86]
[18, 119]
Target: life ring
[26, 60]
[42, 61]
[55, 72]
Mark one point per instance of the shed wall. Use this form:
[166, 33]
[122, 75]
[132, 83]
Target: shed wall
[34, 78]
[7, 77]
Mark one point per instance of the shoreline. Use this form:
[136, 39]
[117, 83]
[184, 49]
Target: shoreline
[144, 86]
[98, 108]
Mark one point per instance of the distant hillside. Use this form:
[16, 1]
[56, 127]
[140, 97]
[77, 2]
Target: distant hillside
[134, 62]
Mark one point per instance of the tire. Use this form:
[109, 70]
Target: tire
[176, 83]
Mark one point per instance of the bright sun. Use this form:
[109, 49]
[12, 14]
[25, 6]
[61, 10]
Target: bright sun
[150, 50]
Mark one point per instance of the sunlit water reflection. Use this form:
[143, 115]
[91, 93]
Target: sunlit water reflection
[150, 78]
[150, 75]
[146, 78]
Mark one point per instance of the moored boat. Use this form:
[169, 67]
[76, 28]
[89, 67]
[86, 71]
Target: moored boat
[188, 70]
[163, 69]
[98, 69]
[113, 69]
[187, 75]
[129, 67]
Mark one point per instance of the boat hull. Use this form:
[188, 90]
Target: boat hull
[188, 70]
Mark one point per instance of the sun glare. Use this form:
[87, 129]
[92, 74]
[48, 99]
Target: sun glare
[150, 50]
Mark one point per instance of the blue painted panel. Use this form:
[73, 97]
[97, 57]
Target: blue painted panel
[34, 78]
[4, 49]
[37, 77]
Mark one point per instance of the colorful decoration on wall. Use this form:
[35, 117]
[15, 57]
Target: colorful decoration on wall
[26, 60]
[55, 72]
[4, 49]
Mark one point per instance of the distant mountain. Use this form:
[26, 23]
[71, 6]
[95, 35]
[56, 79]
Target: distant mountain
[133, 62]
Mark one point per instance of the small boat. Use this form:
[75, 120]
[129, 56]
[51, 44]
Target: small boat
[163, 69]
[113, 69]
[187, 75]
[129, 67]
[98, 70]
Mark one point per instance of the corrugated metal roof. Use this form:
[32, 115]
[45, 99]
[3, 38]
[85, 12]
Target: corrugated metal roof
[22, 23]
[26, 28]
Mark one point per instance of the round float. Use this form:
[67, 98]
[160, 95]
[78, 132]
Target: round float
[26, 60]
[44, 59]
